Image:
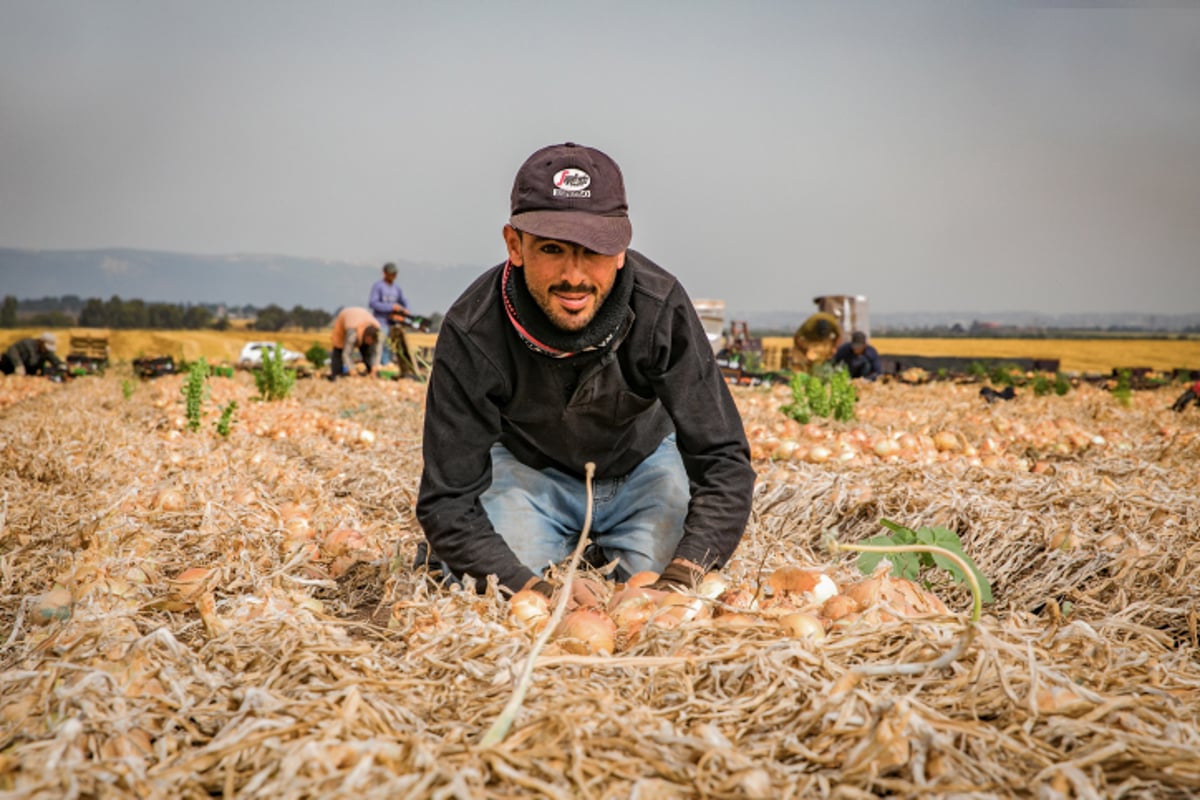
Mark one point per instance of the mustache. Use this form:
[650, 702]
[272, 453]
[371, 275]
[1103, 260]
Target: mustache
[573, 288]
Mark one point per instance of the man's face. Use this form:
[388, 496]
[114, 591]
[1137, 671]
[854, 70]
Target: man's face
[568, 281]
[859, 348]
[390, 277]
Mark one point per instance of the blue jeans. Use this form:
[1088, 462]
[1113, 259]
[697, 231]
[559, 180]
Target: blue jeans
[637, 518]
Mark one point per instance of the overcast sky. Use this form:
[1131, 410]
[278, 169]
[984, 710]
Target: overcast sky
[942, 157]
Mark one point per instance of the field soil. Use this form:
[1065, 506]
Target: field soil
[187, 614]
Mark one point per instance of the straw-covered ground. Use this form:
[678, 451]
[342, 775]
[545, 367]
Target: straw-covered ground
[185, 614]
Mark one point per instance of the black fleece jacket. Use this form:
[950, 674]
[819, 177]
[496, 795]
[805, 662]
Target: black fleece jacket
[613, 408]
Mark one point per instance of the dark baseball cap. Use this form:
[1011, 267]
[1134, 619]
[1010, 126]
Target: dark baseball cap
[389, 268]
[858, 337]
[573, 193]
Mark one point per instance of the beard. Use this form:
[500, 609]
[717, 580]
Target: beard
[564, 318]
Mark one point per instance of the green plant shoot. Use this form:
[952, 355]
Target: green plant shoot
[909, 565]
[226, 419]
[195, 391]
[273, 380]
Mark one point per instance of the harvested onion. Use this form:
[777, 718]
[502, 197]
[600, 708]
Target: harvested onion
[587, 631]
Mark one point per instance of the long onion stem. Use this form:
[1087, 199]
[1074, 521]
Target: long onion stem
[503, 723]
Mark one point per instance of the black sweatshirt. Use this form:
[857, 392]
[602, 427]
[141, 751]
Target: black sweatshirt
[613, 408]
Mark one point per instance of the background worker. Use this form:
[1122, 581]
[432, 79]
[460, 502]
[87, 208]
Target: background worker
[32, 357]
[354, 328]
[815, 341]
[575, 350]
[859, 358]
[387, 301]
[1190, 395]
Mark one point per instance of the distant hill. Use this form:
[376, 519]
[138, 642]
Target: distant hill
[236, 280]
[288, 281]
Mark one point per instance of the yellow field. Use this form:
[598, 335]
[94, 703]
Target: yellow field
[1075, 355]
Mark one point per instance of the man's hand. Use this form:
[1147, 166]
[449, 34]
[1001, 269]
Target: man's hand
[584, 592]
[679, 575]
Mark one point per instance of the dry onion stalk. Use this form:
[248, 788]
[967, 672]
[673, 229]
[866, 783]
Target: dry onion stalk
[499, 729]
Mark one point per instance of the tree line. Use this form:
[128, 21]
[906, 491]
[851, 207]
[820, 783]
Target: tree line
[70, 311]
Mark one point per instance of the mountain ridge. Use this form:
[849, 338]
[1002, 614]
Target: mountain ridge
[262, 279]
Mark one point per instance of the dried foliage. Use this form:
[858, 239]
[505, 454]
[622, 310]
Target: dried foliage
[241, 617]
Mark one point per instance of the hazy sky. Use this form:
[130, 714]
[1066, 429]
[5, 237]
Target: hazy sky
[945, 156]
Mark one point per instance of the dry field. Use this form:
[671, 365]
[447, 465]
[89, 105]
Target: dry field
[1076, 355]
[186, 615]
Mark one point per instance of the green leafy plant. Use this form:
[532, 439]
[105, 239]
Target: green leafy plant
[127, 387]
[1041, 385]
[843, 395]
[226, 420]
[195, 391]
[976, 369]
[317, 355]
[1123, 390]
[830, 394]
[273, 380]
[1061, 384]
[909, 564]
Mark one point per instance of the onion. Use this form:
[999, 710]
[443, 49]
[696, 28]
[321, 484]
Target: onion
[741, 598]
[802, 626]
[675, 609]
[190, 583]
[587, 631]
[946, 441]
[785, 450]
[793, 580]
[865, 593]
[169, 499]
[529, 609]
[343, 540]
[639, 579]
[839, 606]
[299, 528]
[633, 610]
[712, 586]
[819, 454]
[885, 447]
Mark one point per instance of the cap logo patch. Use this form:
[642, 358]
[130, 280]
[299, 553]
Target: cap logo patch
[572, 182]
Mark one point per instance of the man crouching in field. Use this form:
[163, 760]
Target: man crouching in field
[577, 349]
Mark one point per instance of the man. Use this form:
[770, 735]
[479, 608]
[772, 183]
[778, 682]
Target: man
[1190, 395]
[387, 303]
[354, 328]
[32, 357]
[815, 341]
[860, 358]
[576, 350]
